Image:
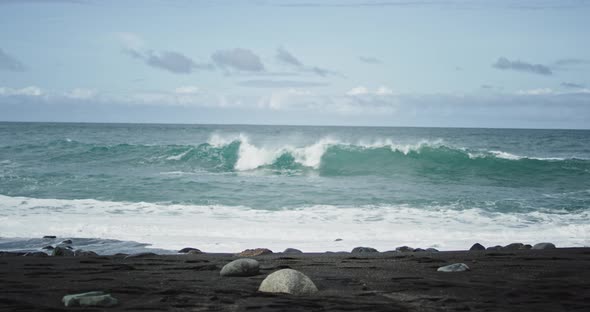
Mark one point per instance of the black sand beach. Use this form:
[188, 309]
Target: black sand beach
[519, 280]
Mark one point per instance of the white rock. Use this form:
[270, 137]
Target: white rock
[240, 267]
[456, 267]
[89, 299]
[288, 281]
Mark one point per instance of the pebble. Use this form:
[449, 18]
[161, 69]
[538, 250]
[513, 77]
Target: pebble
[364, 250]
[89, 299]
[255, 252]
[241, 267]
[288, 281]
[456, 267]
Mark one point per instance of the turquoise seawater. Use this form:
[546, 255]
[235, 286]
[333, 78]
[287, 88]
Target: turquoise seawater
[276, 185]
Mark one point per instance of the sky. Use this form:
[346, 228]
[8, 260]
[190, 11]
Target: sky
[447, 63]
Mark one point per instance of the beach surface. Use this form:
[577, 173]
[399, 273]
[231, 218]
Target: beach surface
[518, 280]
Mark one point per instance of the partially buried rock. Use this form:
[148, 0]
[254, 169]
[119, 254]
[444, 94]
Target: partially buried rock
[544, 246]
[404, 249]
[240, 267]
[189, 249]
[514, 246]
[255, 252]
[89, 299]
[288, 281]
[456, 267]
[363, 250]
[62, 252]
[292, 251]
[85, 253]
[477, 246]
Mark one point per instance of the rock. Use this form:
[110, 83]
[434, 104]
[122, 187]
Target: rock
[62, 252]
[241, 267]
[194, 252]
[497, 247]
[456, 267]
[140, 255]
[477, 246]
[188, 249]
[514, 246]
[85, 253]
[432, 249]
[36, 254]
[288, 281]
[292, 251]
[544, 246]
[255, 252]
[527, 246]
[66, 242]
[48, 247]
[338, 240]
[404, 249]
[89, 299]
[50, 236]
[418, 250]
[364, 250]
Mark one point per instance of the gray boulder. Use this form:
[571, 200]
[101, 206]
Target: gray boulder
[404, 249]
[363, 250]
[292, 251]
[89, 299]
[241, 267]
[544, 246]
[62, 252]
[514, 246]
[288, 281]
[477, 246]
[456, 267]
[189, 250]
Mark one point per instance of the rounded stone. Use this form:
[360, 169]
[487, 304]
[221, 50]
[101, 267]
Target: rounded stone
[477, 246]
[514, 246]
[188, 249]
[292, 251]
[544, 246]
[288, 281]
[241, 267]
[455, 267]
[364, 250]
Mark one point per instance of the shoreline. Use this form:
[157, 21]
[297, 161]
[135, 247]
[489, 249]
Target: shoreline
[498, 280]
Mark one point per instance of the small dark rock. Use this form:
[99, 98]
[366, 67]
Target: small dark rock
[404, 249]
[338, 240]
[50, 236]
[187, 249]
[544, 246]
[527, 246]
[364, 250]
[49, 247]
[141, 255]
[62, 252]
[292, 251]
[477, 246]
[67, 241]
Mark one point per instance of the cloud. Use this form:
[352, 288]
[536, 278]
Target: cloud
[505, 64]
[370, 60]
[80, 94]
[361, 90]
[238, 59]
[485, 86]
[187, 90]
[288, 58]
[539, 91]
[280, 84]
[26, 91]
[10, 63]
[572, 85]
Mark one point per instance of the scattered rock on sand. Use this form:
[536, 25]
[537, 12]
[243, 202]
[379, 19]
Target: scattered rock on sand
[364, 250]
[456, 267]
[90, 299]
[292, 251]
[50, 236]
[141, 255]
[477, 246]
[85, 253]
[255, 252]
[544, 246]
[189, 249]
[62, 252]
[288, 281]
[514, 246]
[404, 249]
[240, 267]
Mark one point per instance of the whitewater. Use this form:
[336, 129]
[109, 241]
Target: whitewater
[121, 187]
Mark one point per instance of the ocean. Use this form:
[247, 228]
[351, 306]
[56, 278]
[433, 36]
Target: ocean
[224, 188]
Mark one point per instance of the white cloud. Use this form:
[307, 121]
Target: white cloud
[539, 91]
[383, 90]
[130, 40]
[81, 94]
[28, 91]
[360, 90]
[187, 90]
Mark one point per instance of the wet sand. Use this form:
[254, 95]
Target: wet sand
[520, 280]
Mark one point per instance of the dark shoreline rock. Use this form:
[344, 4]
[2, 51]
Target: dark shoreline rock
[190, 250]
[62, 252]
[544, 246]
[476, 247]
[363, 250]
[292, 251]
